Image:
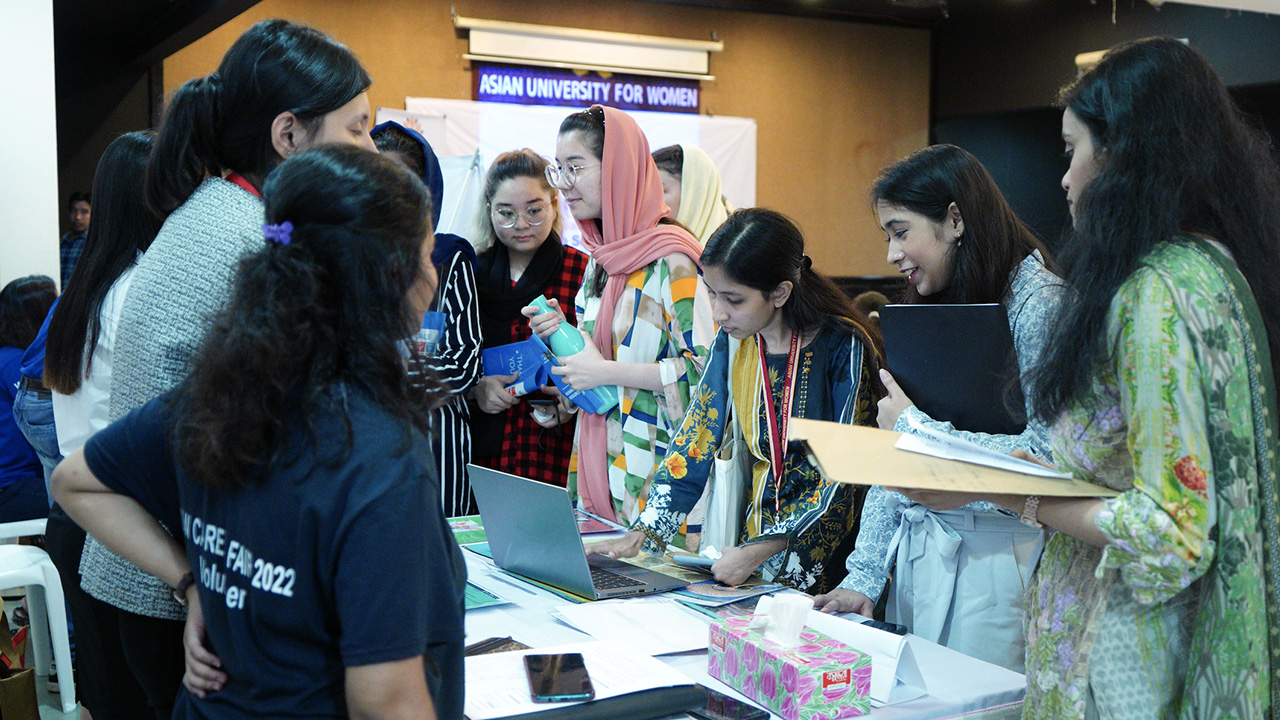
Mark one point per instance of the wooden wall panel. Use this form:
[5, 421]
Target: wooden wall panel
[834, 101]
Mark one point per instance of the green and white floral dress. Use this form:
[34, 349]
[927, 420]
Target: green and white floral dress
[1176, 617]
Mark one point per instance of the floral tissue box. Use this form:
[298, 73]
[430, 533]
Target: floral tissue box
[819, 679]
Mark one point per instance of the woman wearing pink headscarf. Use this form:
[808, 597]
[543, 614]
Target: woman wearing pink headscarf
[642, 304]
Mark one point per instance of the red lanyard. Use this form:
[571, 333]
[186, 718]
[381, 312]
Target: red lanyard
[778, 432]
[248, 187]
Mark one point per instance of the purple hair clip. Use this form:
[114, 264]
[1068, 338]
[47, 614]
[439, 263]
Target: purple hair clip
[278, 234]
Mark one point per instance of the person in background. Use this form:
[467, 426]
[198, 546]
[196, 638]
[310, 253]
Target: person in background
[869, 303]
[451, 333]
[642, 306]
[790, 345]
[71, 245]
[33, 402]
[281, 88]
[959, 576]
[691, 188]
[1159, 378]
[23, 305]
[78, 370]
[300, 440]
[521, 259]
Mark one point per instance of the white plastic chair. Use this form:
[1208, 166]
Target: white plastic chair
[22, 528]
[28, 566]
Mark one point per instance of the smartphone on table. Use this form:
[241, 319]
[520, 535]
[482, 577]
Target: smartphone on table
[558, 678]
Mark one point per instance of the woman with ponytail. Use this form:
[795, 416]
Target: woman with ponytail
[280, 89]
[790, 345]
[642, 306]
[295, 464]
[78, 366]
[959, 576]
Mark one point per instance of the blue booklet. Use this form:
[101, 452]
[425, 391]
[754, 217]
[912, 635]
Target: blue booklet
[533, 361]
[530, 358]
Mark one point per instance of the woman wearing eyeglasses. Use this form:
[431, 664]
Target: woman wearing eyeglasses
[642, 306]
[521, 258]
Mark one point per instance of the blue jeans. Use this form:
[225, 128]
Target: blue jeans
[34, 415]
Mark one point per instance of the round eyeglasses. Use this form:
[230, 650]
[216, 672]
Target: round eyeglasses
[534, 215]
[565, 177]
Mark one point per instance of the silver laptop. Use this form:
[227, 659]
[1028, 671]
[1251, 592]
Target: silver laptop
[532, 532]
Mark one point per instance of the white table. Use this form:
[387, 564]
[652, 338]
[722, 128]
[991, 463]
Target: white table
[958, 686]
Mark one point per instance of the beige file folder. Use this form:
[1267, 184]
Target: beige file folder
[867, 456]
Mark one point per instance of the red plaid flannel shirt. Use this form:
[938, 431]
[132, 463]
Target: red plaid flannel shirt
[529, 450]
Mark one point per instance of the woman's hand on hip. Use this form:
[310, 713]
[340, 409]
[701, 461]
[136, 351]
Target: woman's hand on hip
[204, 670]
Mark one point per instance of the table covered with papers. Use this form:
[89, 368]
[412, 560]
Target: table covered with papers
[654, 641]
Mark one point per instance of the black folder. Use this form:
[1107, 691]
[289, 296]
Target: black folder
[956, 363]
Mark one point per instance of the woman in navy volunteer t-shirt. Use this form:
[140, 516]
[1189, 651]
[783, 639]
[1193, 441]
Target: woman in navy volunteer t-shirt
[294, 469]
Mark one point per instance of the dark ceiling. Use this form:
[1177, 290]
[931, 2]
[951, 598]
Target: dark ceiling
[142, 32]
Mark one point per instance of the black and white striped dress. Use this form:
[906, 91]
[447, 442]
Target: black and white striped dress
[457, 363]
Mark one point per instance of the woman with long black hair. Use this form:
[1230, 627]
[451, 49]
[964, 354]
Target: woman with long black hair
[958, 576]
[790, 345]
[294, 464]
[1159, 380]
[78, 366]
[280, 88]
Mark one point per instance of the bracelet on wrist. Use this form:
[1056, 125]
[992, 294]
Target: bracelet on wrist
[180, 592]
[652, 535]
[1029, 510]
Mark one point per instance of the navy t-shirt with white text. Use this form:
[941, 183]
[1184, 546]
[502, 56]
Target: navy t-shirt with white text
[340, 557]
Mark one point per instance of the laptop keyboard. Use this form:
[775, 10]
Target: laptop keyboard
[607, 580]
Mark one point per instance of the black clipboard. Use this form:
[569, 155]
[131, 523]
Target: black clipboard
[957, 363]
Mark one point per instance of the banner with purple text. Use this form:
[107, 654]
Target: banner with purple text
[570, 88]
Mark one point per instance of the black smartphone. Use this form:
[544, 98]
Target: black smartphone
[558, 678]
[541, 401]
[723, 707]
[894, 628]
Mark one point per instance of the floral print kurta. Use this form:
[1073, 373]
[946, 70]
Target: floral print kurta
[1170, 620]
[814, 514]
[663, 317]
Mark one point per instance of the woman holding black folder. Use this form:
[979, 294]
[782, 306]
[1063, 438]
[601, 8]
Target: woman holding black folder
[1159, 378]
[959, 575]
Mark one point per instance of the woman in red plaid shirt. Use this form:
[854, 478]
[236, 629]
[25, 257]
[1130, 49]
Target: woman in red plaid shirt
[522, 257]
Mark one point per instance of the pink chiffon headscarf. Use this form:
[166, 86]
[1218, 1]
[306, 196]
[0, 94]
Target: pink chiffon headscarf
[632, 238]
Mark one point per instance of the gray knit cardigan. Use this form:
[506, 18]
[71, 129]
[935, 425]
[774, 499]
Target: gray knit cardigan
[180, 282]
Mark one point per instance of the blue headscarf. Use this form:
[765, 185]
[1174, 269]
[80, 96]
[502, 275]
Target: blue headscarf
[447, 244]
